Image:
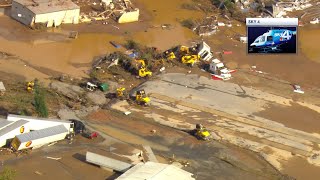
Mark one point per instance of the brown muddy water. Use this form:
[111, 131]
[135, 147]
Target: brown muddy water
[301, 169]
[61, 56]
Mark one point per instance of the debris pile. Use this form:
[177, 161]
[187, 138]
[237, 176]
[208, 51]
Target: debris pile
[121, 11]
[207, 27]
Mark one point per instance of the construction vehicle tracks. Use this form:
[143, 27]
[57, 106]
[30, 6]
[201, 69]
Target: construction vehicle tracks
[258, 130]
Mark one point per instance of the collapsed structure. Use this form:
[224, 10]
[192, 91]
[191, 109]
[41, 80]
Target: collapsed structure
[122, 11]
[139, 164]
[49, 13]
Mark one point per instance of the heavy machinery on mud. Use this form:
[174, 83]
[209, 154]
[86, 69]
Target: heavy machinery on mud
[187, 55]
[142, 70]
[201, 51]
[122, 93]
[200, 132]
[142, 98]
[136, 67]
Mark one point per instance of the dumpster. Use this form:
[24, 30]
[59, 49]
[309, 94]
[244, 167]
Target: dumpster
[104, 87]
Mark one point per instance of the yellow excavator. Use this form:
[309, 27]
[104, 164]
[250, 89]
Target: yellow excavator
[143, 71]
[170, 55]
[190, 59]
[142, 98]
[121, 93]
[30, 86]
[201, 132]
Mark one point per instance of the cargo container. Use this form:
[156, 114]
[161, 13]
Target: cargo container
[4, 123]
[12, 129]
[35, 139]
[41, 123]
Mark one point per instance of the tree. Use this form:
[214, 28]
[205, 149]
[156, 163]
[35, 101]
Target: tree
[7, 174]
[39, 100]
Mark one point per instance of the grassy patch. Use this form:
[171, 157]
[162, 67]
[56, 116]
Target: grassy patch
[131, 44]
[40, 101]
[188, 23]
[189, 6]
[8, 174]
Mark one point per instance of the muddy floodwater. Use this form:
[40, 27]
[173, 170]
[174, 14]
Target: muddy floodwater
[45, 54]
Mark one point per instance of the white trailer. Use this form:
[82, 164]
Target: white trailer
[41, 123]
[204, 51]
[12, 129]
[4, 123]
[35, 139]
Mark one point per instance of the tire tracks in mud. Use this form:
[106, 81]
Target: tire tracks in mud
[292, 133]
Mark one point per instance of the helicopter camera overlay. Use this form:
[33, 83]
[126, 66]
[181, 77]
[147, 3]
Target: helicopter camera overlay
[272, 35]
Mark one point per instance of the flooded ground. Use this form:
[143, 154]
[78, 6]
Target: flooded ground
[300, 117]
[44, 54]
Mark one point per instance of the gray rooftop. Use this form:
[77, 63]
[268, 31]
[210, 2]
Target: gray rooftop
[14, 125]
[47, 6]
[42, 133]
[155, 171]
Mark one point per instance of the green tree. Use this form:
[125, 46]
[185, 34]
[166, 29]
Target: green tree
[39, 100]
[7, 174]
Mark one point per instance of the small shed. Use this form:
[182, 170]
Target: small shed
[2, 89]
[49, 13]
[155, 171]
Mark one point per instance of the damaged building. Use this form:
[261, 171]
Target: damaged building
[49, 13]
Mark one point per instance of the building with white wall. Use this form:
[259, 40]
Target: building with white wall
[50, 13]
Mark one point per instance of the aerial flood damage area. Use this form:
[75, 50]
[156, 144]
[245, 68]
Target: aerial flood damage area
[170, 89]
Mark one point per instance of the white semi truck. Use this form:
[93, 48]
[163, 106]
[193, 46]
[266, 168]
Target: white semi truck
[41, 123]
[35, 139]
[217, 68]
[10, 129]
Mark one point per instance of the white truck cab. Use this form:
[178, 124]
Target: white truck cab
[218, 69]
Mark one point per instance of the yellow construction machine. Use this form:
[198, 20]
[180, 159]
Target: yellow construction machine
[30, 86]
[201, 132]
[142, 98]
[170, 55]
[190, 59]
[143, 71]
[121, 93]
[185, 54]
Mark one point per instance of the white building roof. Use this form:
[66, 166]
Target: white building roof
[42, 133]
[47, 6]
[155, 171]
[12, 126]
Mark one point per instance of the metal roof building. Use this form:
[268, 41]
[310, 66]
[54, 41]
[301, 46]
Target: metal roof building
[155, 171]
[48, 12]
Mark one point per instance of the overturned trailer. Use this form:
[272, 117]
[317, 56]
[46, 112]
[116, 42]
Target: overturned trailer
[35, 139]
[10, 129]
[41, 123]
